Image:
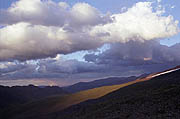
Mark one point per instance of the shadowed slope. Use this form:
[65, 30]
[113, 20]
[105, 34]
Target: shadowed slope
[40, 109]
[158, 98]
[98, 83]
[57, 103]
[49, 108]
[22, 94]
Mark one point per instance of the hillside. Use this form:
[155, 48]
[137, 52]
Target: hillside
[98, 83]
[154, 96]
[158, 98]
[11, 96]
[41, 108]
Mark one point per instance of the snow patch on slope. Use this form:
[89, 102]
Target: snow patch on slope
[169, 71]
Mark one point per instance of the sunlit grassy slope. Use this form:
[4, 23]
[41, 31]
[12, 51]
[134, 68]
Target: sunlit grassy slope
[95, 93]
[87, 95]
[51, 106]
[58, 103]
[158, 98]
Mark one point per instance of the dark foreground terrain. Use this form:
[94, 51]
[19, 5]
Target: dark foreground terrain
[158, 98]
[13, 96]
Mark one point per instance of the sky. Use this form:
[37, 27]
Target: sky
[61, 42]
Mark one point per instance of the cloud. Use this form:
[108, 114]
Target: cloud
[39, 29]
[83, 15]
[24, 41]
[50, 69]
[49, 13]
[139, 23]
[136, 53]
[9, 67]
[121, 59]
[36, 82]
[67, 66]
[64, 5]
[35, 12]
[72, 71]
[158, 1]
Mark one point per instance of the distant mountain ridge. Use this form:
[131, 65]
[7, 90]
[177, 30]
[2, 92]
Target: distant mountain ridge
[21, 94]
[153, 97]
[58, 103]
[149, 96]
[98, 83]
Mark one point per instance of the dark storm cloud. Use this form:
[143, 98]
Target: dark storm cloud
[49, 68]
[69, 67]
[10, 67]
[134, 53]
[122, 59]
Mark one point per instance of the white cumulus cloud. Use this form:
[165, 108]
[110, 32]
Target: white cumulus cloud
[138, 23]
[36, 29]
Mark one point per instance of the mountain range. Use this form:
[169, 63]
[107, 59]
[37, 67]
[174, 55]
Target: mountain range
[152, 96]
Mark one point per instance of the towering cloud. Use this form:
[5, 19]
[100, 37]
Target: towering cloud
[138, 23]
[34, 29]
